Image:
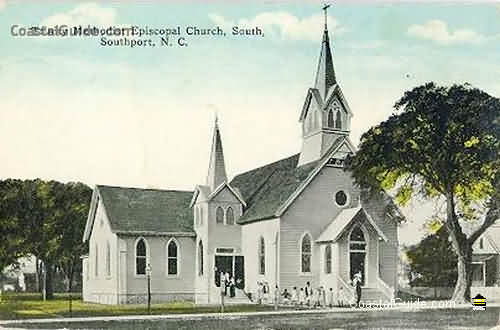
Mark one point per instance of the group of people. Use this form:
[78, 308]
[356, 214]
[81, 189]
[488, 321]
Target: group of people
[307, 296]
[228, 282]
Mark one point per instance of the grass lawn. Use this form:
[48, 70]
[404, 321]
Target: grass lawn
[457, 319]
[15, 306]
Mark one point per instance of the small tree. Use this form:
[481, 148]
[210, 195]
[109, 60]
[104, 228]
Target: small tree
[442, 143]
[432, 261]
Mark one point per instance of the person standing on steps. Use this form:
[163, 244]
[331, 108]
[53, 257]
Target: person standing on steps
[260, 292]
[232, 287]
[356, 282]
[309, 292]
[226, 281]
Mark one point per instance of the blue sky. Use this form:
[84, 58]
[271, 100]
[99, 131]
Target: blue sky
[72, 110]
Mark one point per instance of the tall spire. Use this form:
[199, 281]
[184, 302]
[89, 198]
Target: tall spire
[325, 75]
[216, 168]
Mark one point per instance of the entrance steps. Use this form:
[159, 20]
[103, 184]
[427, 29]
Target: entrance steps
[239, 298]
[373, 295]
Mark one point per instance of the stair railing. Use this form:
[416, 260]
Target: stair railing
[387, 290]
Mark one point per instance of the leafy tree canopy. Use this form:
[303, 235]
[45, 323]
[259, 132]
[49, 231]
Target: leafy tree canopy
[441, 143]
[439, 138]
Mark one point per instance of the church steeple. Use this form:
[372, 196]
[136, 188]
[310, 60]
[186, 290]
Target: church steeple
[325, 75]
[325, 115]
[216, 168]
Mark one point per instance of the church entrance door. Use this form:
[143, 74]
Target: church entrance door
[357, 253]
[233, 265]
[358, 265]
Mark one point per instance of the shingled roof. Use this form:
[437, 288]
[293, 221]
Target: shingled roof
[266, 188]
[135, 210]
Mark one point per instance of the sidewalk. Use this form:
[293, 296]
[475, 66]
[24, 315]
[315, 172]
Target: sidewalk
[398, 306]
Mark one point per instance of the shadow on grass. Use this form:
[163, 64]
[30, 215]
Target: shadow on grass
[29, 306]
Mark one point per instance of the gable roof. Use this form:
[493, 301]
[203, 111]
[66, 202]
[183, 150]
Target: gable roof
[335, 90]
[200, 191]
[312, 95]
[231, 189]
[342, 221]
[489, 246]
[491, 241]
[271, 189]
[136, 210]
[266, 188]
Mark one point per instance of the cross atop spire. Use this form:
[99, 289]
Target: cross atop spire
[325, 75]
[325, 9]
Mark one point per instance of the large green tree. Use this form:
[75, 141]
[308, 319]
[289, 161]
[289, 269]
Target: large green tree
[44, 219]
[71, 208]
[441, 143]
[13, 241]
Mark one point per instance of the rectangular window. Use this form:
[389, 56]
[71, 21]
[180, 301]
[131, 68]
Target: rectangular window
[224, 250]
[141, 265]
[172, 266]
[306, 263]
[358, 246]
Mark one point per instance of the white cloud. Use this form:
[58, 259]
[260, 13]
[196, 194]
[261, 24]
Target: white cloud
[438, 31]
[284, 24]
[83, 14]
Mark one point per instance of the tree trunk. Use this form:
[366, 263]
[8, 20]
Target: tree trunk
[461, 293]
[463, 249]
[49, 281]
[71, 275]
[70, 289]
[37, 275]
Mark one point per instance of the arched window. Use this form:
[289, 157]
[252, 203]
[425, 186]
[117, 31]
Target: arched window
[306, 252]
[219, 215]
[330, 119]
[96, 259]
[328, 259]
[481, 245]
[230, 216]
[262, 256]
[108, 259]
[172, 257]
[338, 120]
[200, 258]
[140, 257]
[358, 242]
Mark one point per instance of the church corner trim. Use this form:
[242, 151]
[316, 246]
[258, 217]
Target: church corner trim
[94, 205]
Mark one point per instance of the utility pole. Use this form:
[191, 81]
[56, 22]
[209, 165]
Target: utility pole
[222, 290]
[148, 272]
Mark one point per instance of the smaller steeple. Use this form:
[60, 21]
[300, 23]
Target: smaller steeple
[216, 167]
[325, 75]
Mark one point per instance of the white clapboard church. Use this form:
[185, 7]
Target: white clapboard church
[295, 220]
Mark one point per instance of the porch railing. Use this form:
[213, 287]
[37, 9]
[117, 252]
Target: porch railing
[347, 289]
